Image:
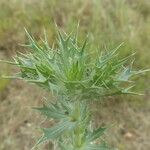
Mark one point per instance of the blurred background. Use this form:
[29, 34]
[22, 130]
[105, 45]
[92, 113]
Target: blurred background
[108, 23]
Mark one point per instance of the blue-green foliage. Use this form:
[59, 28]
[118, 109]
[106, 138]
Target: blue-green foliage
[74, 76]
[69, 68]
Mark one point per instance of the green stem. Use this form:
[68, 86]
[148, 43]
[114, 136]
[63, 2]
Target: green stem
[81, 126]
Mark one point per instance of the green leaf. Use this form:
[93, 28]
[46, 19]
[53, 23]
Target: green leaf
[53, 132]
[52, 112]
[96, 134]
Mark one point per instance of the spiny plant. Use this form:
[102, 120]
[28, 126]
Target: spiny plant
[75, 77]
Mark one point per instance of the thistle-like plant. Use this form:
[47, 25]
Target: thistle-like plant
[75, 77]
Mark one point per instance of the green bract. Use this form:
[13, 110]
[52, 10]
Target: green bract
[75, 78]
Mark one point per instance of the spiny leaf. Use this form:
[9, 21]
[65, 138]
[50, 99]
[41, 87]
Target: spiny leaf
[96, 134]
[53, 132]
[51, 112]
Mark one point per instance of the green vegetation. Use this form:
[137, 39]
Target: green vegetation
[75, 78]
